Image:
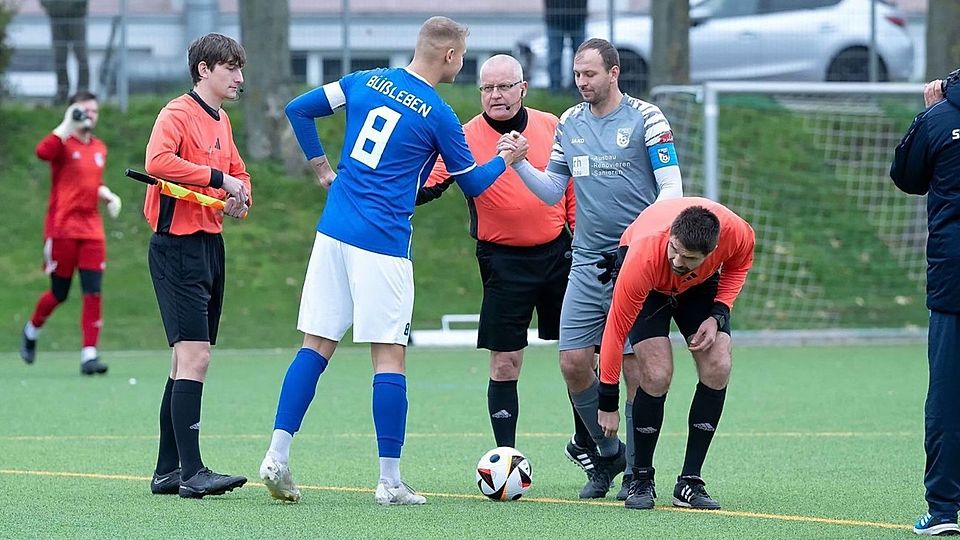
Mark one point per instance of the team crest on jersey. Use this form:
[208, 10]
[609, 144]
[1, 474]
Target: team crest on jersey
[623, 137]
[663, 154]
[98, 159]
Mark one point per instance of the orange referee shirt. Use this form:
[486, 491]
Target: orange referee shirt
[191, 144]
[646, 269]
[507, 212]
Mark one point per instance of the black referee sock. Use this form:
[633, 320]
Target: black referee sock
[647, 422]
[168, 458]
[185, 407]
[504, 406]
[581, 435]
[702, 424]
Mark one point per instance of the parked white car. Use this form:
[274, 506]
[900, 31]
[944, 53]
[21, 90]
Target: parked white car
[796, 40]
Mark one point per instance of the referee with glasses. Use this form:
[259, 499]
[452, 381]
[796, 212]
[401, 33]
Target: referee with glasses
[523, 244]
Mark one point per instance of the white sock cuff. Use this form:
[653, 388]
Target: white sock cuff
[280, 445]
[390, 471]
[30, 330]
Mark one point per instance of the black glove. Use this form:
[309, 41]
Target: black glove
[611, 263]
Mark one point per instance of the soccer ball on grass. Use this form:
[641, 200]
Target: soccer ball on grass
[504, 474]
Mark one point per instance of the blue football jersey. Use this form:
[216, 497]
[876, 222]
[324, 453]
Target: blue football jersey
[396, 126]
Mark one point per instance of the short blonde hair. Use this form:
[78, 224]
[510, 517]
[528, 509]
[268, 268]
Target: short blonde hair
[440, 33]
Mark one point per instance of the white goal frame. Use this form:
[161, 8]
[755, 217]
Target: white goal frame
[709, 93]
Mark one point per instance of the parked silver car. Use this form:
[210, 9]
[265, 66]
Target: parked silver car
[797, 40]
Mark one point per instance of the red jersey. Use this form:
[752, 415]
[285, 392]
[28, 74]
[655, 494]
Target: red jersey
[507, 212]
[76, 174]
[191, 144]
[646, 269]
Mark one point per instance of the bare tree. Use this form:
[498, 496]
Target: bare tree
[671, 42]
[7, 11]
[943, 38]
[265, 33]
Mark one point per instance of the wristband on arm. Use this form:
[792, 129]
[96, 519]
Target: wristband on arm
[609, 397]
[721, 313]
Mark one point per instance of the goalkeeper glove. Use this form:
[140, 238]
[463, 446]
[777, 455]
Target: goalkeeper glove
[611, 263]
[112, 200]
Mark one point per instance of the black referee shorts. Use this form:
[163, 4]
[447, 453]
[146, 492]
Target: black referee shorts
[515, 281]
[188, 277]
[689, 309]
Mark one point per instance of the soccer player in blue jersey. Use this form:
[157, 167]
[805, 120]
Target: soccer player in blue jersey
[360, 273]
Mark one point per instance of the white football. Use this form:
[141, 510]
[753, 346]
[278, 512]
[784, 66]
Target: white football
[504, 474]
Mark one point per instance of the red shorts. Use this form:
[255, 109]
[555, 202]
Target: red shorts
[61, 256]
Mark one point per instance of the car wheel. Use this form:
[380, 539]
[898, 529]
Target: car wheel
[853, 65]
[634, 74]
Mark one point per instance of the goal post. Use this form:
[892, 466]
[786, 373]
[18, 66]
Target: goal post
[807, 164]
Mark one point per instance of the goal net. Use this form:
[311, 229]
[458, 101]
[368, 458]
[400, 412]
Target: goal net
[838, 246]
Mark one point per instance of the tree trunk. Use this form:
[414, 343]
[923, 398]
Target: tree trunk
[265, 34]
[670, 56]
[943, 38]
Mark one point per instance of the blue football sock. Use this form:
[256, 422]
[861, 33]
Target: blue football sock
[299, 387]
[390, 412]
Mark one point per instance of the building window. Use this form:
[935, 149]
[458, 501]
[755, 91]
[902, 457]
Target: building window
[298, 66]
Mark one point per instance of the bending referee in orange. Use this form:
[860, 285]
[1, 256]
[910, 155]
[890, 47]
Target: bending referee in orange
[523, 245]
[685, 259]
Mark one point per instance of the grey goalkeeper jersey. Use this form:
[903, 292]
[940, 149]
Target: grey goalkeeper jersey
[609, 161]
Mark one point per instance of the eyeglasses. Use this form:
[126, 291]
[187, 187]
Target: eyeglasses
[500, 87]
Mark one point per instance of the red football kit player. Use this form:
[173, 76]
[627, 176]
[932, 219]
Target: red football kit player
[73, 230]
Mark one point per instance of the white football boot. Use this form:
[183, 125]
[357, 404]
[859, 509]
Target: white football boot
[400, 495]
[276, 476]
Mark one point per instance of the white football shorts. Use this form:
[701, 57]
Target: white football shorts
[346, 285]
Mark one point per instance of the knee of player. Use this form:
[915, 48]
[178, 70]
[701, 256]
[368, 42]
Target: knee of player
[575, 365]
[60, 288]
[656, 379]
[91, 281]
[715, 362]
[505, 366]
[504, 371]
[193, 360]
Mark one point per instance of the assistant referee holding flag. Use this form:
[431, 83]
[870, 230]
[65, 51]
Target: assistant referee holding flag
[192, 144]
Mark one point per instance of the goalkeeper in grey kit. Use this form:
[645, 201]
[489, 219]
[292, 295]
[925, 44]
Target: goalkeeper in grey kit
[619, 151]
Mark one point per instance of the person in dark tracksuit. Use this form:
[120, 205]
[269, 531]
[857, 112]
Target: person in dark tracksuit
[927, 162]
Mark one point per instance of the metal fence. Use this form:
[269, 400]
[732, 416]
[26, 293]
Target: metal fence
[118, 46]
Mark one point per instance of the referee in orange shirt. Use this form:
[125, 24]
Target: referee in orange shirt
[684, 259]
[192, 144]
[523, 245]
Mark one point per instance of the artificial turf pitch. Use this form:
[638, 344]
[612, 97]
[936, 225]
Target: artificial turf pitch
[815, 442]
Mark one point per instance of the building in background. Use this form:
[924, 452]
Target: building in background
[158, 31]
